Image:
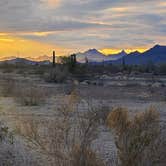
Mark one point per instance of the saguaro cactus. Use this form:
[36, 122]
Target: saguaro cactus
[53, 59]
[73, 60]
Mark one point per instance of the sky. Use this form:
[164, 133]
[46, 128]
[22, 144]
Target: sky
[32, 28]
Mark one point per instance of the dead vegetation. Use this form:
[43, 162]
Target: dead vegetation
[30, 95]
[136, 137]
[7, 87]
[27, 94]
[65, 139]
[58, 74]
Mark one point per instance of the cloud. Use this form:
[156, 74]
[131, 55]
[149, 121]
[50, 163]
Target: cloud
[78, 24]
[53, 3]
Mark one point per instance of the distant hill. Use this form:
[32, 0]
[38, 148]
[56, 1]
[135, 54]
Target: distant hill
[94, 55]
[91, 55]
[117, 56]
[40, 58]
[25, 61]
[7, 58]
[155, 55]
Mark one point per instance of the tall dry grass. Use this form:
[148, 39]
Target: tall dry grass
[30, 95]
[27, 94]
[135, 137]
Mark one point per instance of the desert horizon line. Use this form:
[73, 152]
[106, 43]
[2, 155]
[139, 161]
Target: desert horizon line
[104, 51]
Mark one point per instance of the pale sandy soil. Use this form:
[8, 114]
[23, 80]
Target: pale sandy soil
[136, 97]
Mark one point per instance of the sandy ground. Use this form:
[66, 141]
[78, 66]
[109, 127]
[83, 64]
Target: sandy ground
[115, 92]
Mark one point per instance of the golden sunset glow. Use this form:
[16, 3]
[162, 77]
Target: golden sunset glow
[33, 28]
[108, 51]
[13, 46]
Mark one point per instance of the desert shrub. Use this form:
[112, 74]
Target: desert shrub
[7, 87]
[118, 119]
[69, 62]
[134, 137]
[30, 95]
[48, 136]
[13, 152]
[102, 113]
[7, 70]
[80, 69]
[58, 74]
[21, 72]
[6, 139]
[38, 70]
[65, 139]
[5, 134]
[84, 158]
[162, 69]
[24, 93]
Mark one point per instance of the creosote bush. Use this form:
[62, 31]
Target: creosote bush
[5, 134]
[90, 158]
[30, 95]
[135, 137]
[8, 87]
[65, 139]
[6, 139]
[26, 94]
[58, 74]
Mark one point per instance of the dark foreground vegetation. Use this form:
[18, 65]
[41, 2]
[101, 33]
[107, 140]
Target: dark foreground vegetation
[68, 69]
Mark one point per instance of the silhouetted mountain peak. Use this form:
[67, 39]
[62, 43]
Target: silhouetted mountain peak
[123, 52]
[135, 53]
[157, 46]
[92, 51]
[156, 55]
[157, 50]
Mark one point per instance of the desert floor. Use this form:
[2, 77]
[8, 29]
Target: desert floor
[137, 93]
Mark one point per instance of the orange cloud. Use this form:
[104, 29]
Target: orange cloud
[53, 3]
[120, 9]
[162, 4]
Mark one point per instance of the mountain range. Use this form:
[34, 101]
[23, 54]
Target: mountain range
[156, 55]
[94, 55]
[25, 61]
